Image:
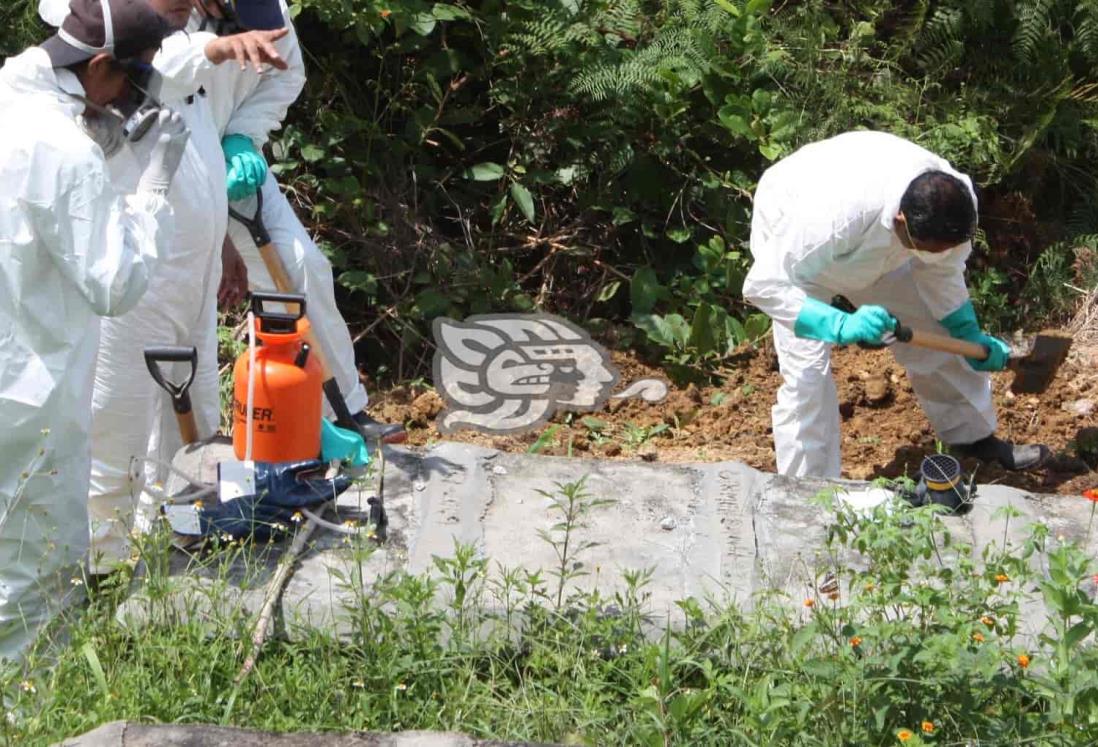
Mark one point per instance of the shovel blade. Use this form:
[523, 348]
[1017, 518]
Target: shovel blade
[1035, 372]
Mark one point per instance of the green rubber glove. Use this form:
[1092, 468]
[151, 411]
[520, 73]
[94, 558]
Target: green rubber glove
[819, 321]
[963, 325]
[246, 169]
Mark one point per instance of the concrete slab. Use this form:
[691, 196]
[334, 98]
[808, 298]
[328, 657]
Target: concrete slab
[719, 531]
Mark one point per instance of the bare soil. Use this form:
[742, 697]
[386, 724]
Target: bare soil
[884, 431]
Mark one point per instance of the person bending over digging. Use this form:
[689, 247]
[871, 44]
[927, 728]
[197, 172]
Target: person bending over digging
[886, 223]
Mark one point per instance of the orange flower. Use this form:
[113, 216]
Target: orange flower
[904, 734]
[833, 596]
[856, 641]
[1001, 578]
[1091, 495]
[810, 602]
[978, 637]
[385, 13]
[1023, 661]
[928, 727]
[988, 620]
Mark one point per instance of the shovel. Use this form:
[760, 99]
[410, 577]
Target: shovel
[284, 284]
[181, 400]
[1033, 371]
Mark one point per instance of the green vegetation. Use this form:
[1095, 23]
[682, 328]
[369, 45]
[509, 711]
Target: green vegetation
[903, 630]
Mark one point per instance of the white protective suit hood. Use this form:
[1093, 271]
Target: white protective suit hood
[71, 249]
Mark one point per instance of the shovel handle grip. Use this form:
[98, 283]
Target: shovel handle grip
[154, 356]
[945, 344]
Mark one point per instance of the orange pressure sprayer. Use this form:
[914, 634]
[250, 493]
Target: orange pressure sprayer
[286, 397]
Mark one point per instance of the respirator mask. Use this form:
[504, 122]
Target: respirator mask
[127, 119]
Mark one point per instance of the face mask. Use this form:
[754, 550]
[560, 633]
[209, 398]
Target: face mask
[141, 108]
[933, 258]
[105, 131]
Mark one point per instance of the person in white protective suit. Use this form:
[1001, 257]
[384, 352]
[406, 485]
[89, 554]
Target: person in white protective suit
[886, 223]
[179, 309]
[72, 249]
[257, 107]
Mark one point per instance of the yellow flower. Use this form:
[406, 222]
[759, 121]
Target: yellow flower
[988, 620]
[978, 637]
[358, 683]
[928, 727]
[198, 505]
[27, 686]
[1023, 661]
[904, 734]
[401, 686]
[385, 13]
[1001, 578]
[297, 517]
[856, 641]
[810, 602]
[870, 586]
[833, 596]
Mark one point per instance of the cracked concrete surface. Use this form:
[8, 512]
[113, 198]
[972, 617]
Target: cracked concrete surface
[716, 531]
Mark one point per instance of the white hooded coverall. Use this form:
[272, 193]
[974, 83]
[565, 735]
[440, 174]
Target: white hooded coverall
[131, 416]
[822, 225]
[72, 248]
[254, 105]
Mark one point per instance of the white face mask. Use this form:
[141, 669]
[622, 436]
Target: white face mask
[933, 258]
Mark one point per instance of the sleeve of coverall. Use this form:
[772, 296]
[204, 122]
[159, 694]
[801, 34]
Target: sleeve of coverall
[106, 243]
[942, 285]
[788, 261]
[261, 111]
[183, 63]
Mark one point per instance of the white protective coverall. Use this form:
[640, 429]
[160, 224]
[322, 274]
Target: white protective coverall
[72, 248]
[131, 416]
[823, 224]
[254, 106]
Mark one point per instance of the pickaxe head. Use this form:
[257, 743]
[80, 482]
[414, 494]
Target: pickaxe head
[1034, 371]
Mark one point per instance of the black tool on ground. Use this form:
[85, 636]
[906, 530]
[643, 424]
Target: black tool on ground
[277, 270]
[942, 483]
[181, 400]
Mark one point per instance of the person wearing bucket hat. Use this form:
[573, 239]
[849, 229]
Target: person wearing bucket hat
[255, 107]
[73, 247]
[179, 308]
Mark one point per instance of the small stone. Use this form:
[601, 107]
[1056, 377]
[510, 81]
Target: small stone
[1079, 407]
[648, 452]
[877, 389]
[419, 486]
[667, 523]
[499, 469]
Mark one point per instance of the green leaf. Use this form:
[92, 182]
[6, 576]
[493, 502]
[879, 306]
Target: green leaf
[431, 303]
[524, 200]
[444, 12]
[609, 290]
[736, 122]
[702, 336]
[679, 235]
[312, 153]
[544, 439]
[359, 280]
[594, 424]
[498, 208]
[485, 172]
[622, 215]
[770, 151]
[669, 331]
[423, 23]
[96, 667]
[755, 326]
[645, 290]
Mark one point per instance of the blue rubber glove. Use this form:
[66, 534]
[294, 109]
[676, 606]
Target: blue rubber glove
[819, 321]
[247, 170]
[963, 325]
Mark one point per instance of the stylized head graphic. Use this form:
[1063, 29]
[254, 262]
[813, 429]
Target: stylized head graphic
[505, 373]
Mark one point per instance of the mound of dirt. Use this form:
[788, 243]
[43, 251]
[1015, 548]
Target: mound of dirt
[884, 431]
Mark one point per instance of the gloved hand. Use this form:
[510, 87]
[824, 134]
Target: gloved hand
[245, 165]
[171, 140]
[963, 325]
[819, 321]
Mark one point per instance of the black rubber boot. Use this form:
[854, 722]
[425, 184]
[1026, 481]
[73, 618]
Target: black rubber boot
[1009, 456]
[376, 431]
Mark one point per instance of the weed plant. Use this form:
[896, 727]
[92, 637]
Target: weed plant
[911, 638]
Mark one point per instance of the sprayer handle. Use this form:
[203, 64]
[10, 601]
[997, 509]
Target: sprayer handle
[291, 300]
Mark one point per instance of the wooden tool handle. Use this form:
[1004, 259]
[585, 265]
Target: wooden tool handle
[945, 344]
[188, 429]
[277, 270]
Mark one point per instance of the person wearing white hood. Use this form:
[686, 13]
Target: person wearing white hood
[882, 221]
[179, 309]
[72, 249]
[256, 107]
